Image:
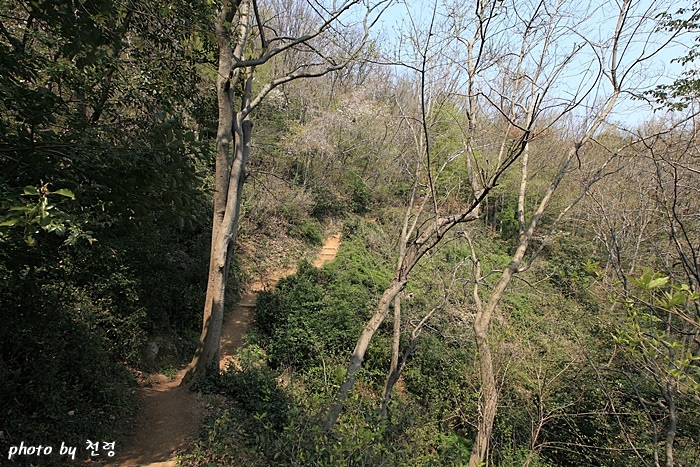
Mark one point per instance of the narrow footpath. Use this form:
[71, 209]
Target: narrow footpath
[170, 417]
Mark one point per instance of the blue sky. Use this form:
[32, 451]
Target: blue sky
[602, 19]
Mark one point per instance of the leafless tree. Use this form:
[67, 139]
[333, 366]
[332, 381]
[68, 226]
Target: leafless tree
[650, 222]
[539, 88]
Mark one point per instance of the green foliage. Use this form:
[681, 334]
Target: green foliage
[436, 378]
[38, 215]
[317, 313]
[650, 280]
[573, 269]
[253, 388]
[327, 202]
[360, 196]
[268, 419]
[520, 455]
[292, 321]
[654, 331]
[500, 209]
[58, 379]
[684, 90]
[657, 359]
[309, 231]
[103, 199]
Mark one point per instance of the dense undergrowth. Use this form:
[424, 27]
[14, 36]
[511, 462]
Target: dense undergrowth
[76, 319]
[551, 350]
[108, 119]
[275, 397]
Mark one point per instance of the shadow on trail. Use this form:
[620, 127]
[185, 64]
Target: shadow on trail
[170, 417]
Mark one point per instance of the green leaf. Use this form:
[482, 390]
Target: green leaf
[65, 192]
[678, 298]
[31, 190]
[30, 240]
[659, 282]
[9, 222]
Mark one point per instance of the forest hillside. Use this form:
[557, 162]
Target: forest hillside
[517, 185]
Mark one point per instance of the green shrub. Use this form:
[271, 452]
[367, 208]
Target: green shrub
[253, 388]
[58, 381]
[360, 197]
[309, 231]
[300, 323]
[327, 202]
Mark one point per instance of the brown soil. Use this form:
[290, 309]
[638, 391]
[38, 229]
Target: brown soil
[168, 422]
[329, 250]
[170, 416]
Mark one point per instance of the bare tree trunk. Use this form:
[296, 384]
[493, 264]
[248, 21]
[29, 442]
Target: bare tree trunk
[227, 197]
[489, 393]
[393, 374]
[391, 381]
[358, 354]
[208, 349]
[489, 397]
[668, 391]
[418, 248]
[397, 369]
[207, 353]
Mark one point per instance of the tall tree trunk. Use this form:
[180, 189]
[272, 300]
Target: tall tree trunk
[489, 396]
[393, 374]
[489, 393]
[669, 391]
[358, 354]
[234, 129]
[207, 353]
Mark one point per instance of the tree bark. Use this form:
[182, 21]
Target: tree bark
[489, 397]
[228, 184]
[393, 374]
[668, 391]
[358, 354]
[489, 393]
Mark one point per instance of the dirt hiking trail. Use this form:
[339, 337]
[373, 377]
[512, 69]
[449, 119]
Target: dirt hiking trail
[169, 416]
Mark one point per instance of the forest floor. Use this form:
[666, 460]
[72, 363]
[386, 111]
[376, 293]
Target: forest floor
[169, 416]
